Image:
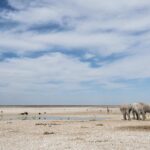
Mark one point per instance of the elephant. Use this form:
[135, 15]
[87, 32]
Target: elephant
[140, 109]
[125, 110]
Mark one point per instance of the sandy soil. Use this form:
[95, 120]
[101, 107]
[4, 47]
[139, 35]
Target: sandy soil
[110, 134]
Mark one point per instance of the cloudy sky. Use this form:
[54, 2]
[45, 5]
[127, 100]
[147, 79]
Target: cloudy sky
[74, 51]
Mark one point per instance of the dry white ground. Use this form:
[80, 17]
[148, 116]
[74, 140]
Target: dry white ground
[110, 134]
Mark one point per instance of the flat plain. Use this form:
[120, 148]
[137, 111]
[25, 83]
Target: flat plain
[71, 128]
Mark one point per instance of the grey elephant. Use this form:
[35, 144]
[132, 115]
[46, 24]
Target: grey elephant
[125, 110]
[140, 109]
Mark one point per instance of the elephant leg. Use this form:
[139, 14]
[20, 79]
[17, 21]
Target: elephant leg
[134, 114]
[143, 116]
[124, 116]
[128, 114]
[137, 116]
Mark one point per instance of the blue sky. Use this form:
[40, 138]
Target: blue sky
[74, 51]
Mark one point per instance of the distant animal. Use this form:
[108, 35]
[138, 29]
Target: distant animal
[140, 109]
[24, 113]
[108, 110]
[125, 110]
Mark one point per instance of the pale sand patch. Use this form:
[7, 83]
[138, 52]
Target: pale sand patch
[115, 133]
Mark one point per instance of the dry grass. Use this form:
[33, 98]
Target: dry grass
[99, 141]
[47, 133]
[84, 127]
[135, 128]
[54, 124]
[100, 124]
[41, 124]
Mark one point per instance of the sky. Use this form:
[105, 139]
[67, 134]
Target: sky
[84, 52]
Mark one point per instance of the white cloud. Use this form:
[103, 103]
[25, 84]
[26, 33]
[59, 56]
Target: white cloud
[61, 71]
[54, 71]
[90, 21]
